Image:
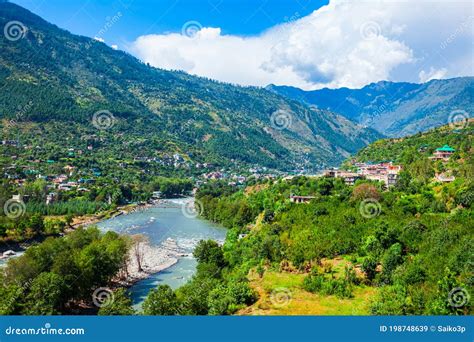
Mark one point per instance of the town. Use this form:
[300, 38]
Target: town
[80, 180]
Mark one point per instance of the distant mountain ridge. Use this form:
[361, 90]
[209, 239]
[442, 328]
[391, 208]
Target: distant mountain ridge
[394, 109]
[57, 81]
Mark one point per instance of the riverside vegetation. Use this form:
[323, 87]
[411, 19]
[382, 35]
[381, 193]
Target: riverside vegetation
[410, 247]
[413, 243]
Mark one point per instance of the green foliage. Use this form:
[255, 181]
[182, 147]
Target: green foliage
[423, 227]
[120, 305]
[161, 301]
[328, 285]
[156, 113]
[46, 295]
[369, 267]
[54, 274]
[209, 252]
[391, 259]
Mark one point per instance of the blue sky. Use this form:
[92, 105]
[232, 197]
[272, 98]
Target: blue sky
[140, 17]
[309, 44]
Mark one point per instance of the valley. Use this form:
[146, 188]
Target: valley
[129, 189]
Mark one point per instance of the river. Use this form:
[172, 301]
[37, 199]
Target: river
[165, 221]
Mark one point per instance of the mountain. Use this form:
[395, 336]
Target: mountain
[53, 82]
[394, 109]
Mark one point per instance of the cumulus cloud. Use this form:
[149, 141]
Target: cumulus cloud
[345, 43]
[432, 74]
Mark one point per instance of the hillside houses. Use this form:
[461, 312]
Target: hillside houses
[385, 172]
[349, 177]
[444, 177]
[301, 199]
[443, 153]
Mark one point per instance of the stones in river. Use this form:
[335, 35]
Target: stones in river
[8, 253]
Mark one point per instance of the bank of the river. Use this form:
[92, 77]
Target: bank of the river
[19, 247]
[171, 238]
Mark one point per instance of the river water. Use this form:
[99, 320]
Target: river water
[161, 223]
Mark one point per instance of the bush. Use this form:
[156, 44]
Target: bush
[319, 283]
[161, 301]
[369, 266]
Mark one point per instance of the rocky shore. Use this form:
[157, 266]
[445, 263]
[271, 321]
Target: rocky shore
[88, 220]
[154, 259]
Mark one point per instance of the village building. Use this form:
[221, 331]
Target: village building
[301, 199]
[349, 177]
[69, 169]
[50, 198]
[10, 142]
[443, 153]
[444, 178]
[156, 195]
[385, 172]
[423, 148]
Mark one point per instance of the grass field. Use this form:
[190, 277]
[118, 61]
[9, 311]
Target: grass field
[283, 294]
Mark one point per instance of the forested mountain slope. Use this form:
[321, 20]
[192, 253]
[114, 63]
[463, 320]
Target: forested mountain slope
[53, 82]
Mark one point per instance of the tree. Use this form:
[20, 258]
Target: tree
[69, 219]
[209, 252]
[369, 267]
[365, 191]
[138, 249]
[221, 301]
[46, 296]
[391, 259]
[452, 297]
[161, 301]
[390, 301]
[121, 305]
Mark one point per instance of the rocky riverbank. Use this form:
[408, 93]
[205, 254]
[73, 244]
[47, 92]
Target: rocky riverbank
[153, 259]
[88, 220]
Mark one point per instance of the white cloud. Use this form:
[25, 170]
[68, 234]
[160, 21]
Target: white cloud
[114, 46]
[432, 74]
[99, 39]
[345, 43]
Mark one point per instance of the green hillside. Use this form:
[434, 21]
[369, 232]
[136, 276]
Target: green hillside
[53, 82]
[360, 249]
[414, 152]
